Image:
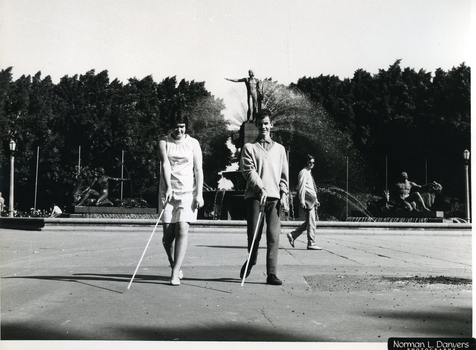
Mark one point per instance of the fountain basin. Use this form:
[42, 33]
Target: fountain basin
[239, 226]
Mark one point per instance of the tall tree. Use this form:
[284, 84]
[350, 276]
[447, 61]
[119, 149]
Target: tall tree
[403, 115]
[103, 118]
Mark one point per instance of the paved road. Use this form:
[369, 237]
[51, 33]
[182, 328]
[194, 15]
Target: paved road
[362, 288]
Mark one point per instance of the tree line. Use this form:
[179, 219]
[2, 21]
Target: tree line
[401, 120]
[362, 130]
[89, 120]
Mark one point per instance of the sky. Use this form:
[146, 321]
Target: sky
[210, 40]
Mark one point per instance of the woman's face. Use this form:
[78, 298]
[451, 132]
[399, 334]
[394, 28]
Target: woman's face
[179, 131]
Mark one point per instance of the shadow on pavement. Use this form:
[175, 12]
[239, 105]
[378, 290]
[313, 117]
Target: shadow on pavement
[123, 278]
[139, 279]
[208, 332]
[447, 321]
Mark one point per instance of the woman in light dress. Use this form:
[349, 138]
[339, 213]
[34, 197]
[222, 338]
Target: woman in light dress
[181, 191]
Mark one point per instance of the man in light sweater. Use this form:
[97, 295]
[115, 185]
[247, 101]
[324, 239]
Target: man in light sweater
[308, 198]
[265, 168]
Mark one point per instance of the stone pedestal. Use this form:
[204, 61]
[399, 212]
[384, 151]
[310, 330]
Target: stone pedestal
[250, 132]
[113, 210]
[22, 223]
[400, 216]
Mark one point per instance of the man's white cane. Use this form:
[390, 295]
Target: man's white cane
[252, 243]
[137, 268]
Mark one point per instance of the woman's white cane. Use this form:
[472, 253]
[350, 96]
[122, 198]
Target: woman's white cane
[253, 242]
[137, 268]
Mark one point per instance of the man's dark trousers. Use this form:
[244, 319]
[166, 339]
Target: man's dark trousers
[273, 230]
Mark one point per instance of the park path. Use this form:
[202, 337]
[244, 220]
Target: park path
[364, 288]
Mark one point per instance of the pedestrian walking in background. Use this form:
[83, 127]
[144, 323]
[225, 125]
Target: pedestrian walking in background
[308, 199]
[2, 204]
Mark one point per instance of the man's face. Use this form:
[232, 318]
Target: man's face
[264, 126]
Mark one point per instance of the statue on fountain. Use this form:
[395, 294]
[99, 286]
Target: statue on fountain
[405, 193]
[406, 196]
[84, 188]
[103, 182]
[429, 191]
[380, 205]
[254, 91]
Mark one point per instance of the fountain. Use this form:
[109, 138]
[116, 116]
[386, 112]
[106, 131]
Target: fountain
[347, 198]
[228, 204]
[91, 198]
[294, 116]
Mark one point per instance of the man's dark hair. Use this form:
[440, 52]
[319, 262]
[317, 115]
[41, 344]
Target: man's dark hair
[263, 114]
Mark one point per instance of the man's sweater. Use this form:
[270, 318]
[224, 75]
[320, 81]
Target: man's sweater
[263, 169]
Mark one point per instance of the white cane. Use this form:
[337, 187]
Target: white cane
[137, 268]
[252, 243]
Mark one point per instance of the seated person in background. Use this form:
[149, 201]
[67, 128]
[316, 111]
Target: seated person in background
[56, 211]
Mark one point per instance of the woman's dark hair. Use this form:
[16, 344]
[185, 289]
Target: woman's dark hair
[180, 118]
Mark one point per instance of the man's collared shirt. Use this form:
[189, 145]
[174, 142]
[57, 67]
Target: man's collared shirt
[266, 143]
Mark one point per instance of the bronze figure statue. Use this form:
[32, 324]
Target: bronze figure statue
[103, 182]
[254, 91]
[85, 187]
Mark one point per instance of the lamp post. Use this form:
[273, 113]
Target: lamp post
[466, 174]
[12, 160]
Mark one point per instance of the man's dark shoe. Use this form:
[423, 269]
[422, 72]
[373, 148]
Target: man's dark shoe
[274, 280]
[242, 272]
[291, 239]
